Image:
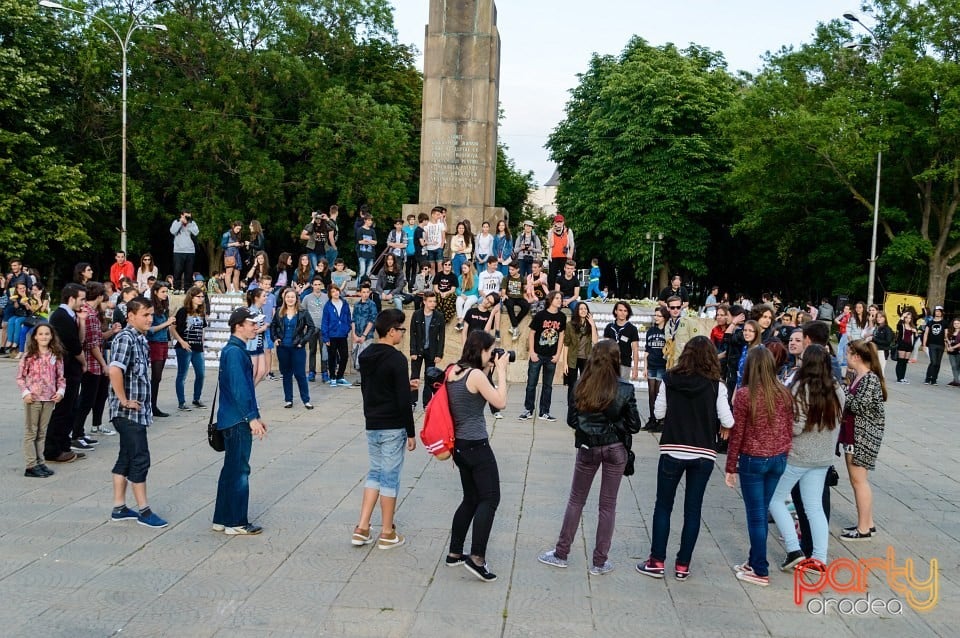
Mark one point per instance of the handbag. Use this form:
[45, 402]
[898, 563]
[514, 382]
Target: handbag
[215, 436]
[629, 468]
[229, 261]
[833, 478]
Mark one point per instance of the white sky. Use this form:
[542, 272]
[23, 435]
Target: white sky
[546, 43]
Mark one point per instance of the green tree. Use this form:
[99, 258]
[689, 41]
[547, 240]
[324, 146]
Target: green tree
[638, 152]
[810, 125]
[44, 212]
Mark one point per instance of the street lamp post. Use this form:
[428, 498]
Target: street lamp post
[653, 256]
[124, 42]
[872, 276]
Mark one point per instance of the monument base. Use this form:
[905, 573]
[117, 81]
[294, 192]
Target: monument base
[476, 214]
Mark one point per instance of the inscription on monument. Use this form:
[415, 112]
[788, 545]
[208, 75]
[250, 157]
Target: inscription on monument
[455, 161]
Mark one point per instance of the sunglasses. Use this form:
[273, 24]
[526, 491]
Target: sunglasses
[674, 307]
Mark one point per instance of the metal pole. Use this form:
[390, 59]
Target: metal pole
[653, 256]
[873, 242]
[123, 151]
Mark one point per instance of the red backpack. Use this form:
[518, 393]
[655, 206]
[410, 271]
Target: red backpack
[437, 432]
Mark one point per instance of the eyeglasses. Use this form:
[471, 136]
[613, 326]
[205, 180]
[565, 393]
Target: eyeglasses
[399, 328]
[674, 307]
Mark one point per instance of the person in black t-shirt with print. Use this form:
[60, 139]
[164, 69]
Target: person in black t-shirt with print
[545, 349]
[569, 285]
[627, 337]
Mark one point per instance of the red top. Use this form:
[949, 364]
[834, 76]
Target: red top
[117, 271]
[761, 437]
[716, 335]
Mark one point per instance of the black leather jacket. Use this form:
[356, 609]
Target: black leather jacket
[620, 419]
[437, 336]
[305, 328]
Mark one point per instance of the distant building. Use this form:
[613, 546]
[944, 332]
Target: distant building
[543, 200]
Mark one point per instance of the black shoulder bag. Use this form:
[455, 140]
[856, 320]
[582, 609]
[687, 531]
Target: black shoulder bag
[215, 436]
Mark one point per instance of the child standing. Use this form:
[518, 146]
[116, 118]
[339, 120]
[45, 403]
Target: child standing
[593, 289]
[42, 384]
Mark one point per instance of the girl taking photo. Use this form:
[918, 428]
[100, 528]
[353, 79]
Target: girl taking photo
[470, 388]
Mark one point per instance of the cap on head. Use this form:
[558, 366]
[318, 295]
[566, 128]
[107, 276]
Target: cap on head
[558, 219]
[940, 308]
[527, 222]
[240, 315]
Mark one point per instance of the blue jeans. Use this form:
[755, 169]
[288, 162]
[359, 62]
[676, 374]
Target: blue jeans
[811, 489]
[331, 256]
[669, 472]
[759, 476]
[366, 265]
[185, 359]
[533, 374]
[233, 489]
[293, 364]
[458, 260]
[842, 349]
[385, 449]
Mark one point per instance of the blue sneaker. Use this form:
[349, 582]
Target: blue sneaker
[344, 383]
[311, 377]
[125, 514]
[325, 377]
[148, 519]
[333, 383]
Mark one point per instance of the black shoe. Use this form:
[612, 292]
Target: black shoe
[45, 469]
[792, 560]
[480, 571]
[199, 404]
[79, 445]
[453, 561]
[650, 424]
[159, 412]
[35, 472]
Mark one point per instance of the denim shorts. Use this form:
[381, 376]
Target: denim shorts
[267, 340]
[385, 448]
[656, 373]
[133, 459]
[435, 255]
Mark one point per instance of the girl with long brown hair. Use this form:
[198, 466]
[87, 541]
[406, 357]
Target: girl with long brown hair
[603, 414]
[862, 432]
[42, 385]
[691, 400]
[817, 408]
[146, 270]
[579, 338]
[758, 446]
[158, 338]
[189, 323]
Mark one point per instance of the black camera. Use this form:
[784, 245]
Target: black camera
[499, 352]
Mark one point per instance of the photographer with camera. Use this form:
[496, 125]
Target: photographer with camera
[468, 389]
[315, 237]
[183, 230]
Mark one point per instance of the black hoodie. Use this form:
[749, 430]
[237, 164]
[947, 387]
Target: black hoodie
[690, 425]
[385, 383]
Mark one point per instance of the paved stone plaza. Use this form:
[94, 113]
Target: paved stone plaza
[66, 571]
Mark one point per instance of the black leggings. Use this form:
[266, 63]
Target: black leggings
[337, 357]
[480, 479]
[653, 386]
[156, 375]
[93, 396]
[901, 368]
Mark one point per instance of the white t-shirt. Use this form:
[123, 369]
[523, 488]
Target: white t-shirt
[490, 282]
[484, 245]
[434, 235]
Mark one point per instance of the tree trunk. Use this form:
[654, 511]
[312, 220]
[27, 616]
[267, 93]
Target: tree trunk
[214, 254]
[937, 283]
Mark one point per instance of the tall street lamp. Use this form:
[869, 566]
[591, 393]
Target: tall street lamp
[124, 42]
[653, 255]
[871, 278]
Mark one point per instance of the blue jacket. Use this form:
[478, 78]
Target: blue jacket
[238, 398]
[364, 312]
[333, 325]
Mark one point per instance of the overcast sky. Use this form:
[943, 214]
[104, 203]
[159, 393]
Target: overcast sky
[546, 43]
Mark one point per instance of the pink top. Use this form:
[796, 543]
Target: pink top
[41, 376]
[761, 437]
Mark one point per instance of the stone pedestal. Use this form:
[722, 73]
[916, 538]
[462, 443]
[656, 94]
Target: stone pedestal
[458, 147]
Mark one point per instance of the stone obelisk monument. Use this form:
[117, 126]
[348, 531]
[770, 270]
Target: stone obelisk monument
[458, 146]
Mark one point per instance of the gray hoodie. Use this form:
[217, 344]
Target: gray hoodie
[815, 448]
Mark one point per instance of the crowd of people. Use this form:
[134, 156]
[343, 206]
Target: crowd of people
[763, 386]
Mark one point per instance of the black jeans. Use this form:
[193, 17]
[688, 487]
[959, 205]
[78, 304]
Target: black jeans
[571, 379]
[806, 540]
[316, 346]
[61, 421]
[669, 473]
[182, 265]
[337, 357]
[93, 396]
[517, 309]
[480, 479]
[423, 362]
[936, 356]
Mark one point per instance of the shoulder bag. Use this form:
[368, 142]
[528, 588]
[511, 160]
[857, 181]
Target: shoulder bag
[215, 436]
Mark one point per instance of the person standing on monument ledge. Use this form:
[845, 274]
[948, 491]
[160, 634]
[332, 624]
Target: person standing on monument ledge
[434, 232]
[560, 246]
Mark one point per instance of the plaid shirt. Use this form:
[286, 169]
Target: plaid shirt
[93, 337]
[129, 352]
